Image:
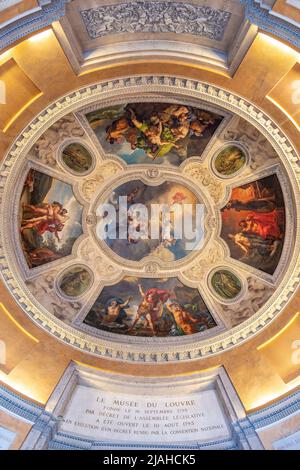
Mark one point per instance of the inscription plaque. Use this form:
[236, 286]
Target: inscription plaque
[107, 416]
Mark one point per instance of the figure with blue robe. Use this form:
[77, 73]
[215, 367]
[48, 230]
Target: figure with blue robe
[115, 309]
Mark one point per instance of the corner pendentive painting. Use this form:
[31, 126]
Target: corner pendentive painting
[150, 307]
[159, 133]
[50, 219]
[253, 223]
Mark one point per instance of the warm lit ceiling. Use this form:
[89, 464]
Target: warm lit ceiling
[57, 78]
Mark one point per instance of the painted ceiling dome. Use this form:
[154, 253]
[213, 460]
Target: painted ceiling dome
[150, 141]
[149, 227]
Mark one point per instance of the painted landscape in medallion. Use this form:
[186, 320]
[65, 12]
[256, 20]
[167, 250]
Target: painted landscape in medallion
[168, 193]
[155, 133]
[49, 219]
[75, 281]
[150, 307]
[77, 158]
[253, 223]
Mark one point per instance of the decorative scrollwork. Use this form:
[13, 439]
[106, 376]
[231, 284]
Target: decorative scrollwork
[213, 254]
[156, 17]
[106, 171]
[201, 174]
[46, 146]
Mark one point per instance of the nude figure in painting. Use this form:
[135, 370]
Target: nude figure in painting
[54, 212]
[117, 130]
[44, 226]
[115, 310]
[48, 215]
[186, 322]
[151, 307]
[50, 218]
[251, 244]
[153, 132]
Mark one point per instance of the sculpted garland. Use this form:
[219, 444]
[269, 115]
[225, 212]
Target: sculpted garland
[156, 17]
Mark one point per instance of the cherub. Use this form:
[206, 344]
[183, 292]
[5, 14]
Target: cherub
[153, 132]
[116, 131]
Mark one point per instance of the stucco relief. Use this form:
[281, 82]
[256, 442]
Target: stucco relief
[258, 293]
[46, 146]
[203, 177]
[261, 151]
[156, 17]
[213, 255]
[43, 289]
[89, 186]
[99, 263]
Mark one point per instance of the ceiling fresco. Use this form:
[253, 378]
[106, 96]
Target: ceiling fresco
[179, 152]
[136, 192]
[176, 309]
[253, 223]
[50, 218]
[163, 133]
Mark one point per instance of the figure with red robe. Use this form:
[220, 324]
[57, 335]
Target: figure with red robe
[151, 307]
[43, 226]
[264, 225]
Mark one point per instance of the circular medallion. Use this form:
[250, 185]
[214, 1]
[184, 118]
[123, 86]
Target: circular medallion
[138, 220]
[225, 284]
[229, 161]
[75, 281]
[77, 158]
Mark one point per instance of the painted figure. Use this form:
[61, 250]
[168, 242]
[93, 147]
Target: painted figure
[40, 256]
[263, 225]
[230, 160]
[75, 282]
[226, 284]
[49, 218]
[139, 307]
[151, 307]
[250, 245]
[115, 310]
[159, 131]
[254, 223]
[167, 244]
[184, 320]
[77, 158]
[258, 205]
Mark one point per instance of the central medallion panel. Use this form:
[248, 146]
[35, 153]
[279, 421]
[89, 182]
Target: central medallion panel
[165, 221]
